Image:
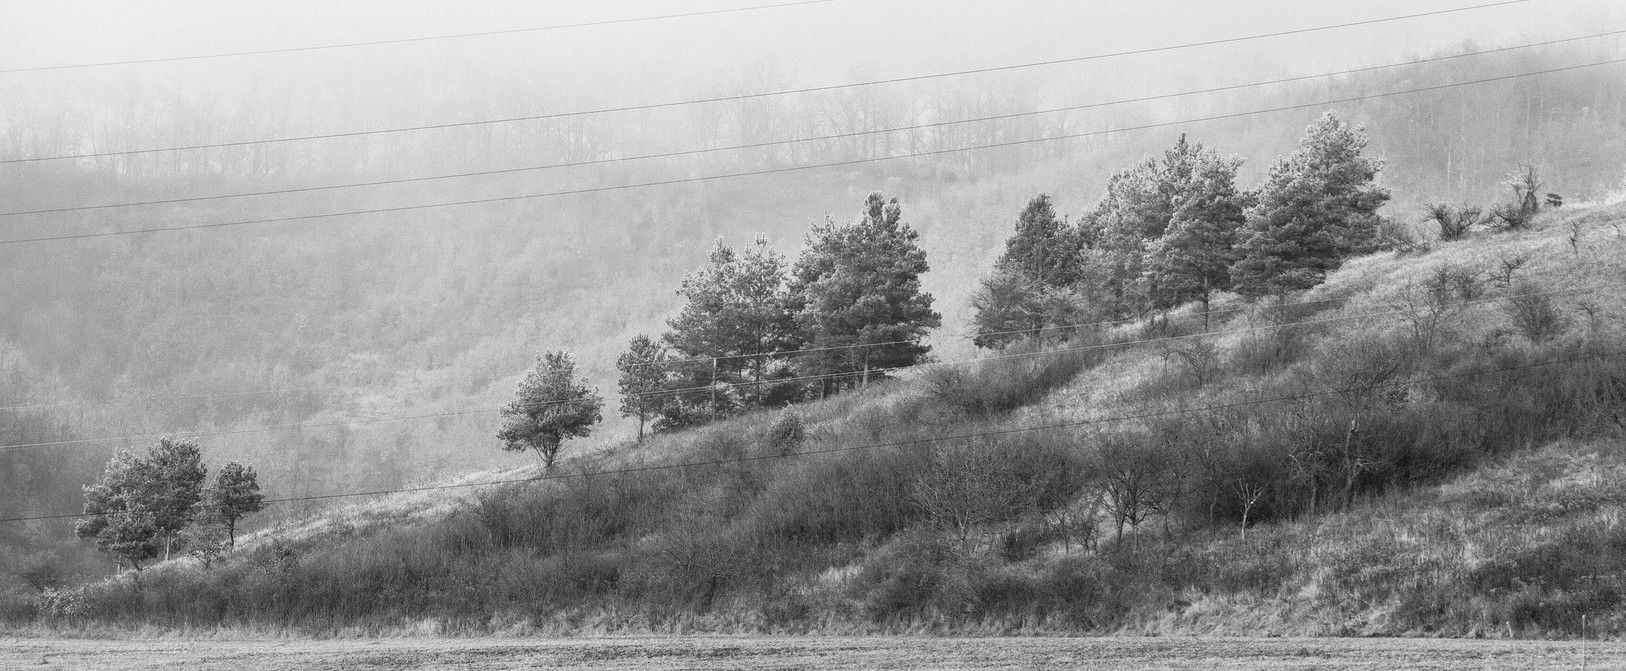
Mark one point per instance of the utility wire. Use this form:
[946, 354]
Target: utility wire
[843, 374]
[695, 359]
[765, 94]
[817, 138]
[812, 166]
[918, 441]
[407, 40]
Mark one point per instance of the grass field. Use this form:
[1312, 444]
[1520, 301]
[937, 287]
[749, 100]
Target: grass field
[725, 652]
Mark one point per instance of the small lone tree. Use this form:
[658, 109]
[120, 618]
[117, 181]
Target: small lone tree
[550, 406]
[235, 494]
[643, 376]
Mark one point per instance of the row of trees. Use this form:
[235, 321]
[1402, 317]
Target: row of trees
[756, 330]
[1178, 229]
[146, 506]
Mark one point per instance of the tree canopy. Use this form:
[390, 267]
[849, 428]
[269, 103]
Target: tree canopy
[551, 405]
[861, 305]
[1317, 207]
[142, 502]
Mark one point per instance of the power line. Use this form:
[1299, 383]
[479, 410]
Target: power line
[813, 166]
[817, 138]
[843, 374]
[407, 40]
[902, 443]
[765, 94]
[694, 359]
[666, 362]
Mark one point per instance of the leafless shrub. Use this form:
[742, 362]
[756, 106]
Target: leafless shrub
[1428, 307]
[1453, 222]
[1518, 214]
[1534, 315]
[1198, 360]
[1504, 276]
[967, 486]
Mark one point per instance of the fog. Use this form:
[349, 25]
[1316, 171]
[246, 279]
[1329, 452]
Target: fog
[440, 310]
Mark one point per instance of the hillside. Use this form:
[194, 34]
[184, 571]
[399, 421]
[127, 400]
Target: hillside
[1427, 443]
[327, 342]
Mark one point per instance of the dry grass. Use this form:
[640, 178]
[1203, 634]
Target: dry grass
[1366, 532]
[727, 652]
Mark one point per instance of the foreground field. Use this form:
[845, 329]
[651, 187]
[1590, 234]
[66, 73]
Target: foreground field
[724, 652]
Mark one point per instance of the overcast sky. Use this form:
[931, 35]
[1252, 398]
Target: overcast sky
[811, 43]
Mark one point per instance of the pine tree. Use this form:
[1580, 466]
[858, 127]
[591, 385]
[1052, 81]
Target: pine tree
[644, 376]
[1043, 248]
[1317, 208]
[738, 314]
[1008, 307]
[1193, 258]
[234, 495]
[861, 305]
[1136, 212]
[551, 406]
[135, 511]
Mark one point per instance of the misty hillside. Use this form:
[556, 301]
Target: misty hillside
[325, 321]
[338, 269]
[1152, 477]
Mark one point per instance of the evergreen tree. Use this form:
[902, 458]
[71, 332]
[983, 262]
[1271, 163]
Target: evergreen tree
[1043, 248]
[135, 511]
[1009, 306]
[1193, 258]
[737, 316]
[551, 406]
[644, 376]
[1136, 212]
[858, 287]
[1317, 208]
[234, 495]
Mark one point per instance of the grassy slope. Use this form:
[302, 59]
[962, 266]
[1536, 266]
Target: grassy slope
[842, 542]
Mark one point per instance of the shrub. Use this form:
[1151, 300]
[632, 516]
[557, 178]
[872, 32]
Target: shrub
[1453, 223]
[786, 435]
[1020, 376]
[1534, 315]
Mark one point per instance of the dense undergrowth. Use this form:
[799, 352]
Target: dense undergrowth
[1361, 464]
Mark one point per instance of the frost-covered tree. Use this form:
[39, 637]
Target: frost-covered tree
[551, 405]
[1317, 208]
